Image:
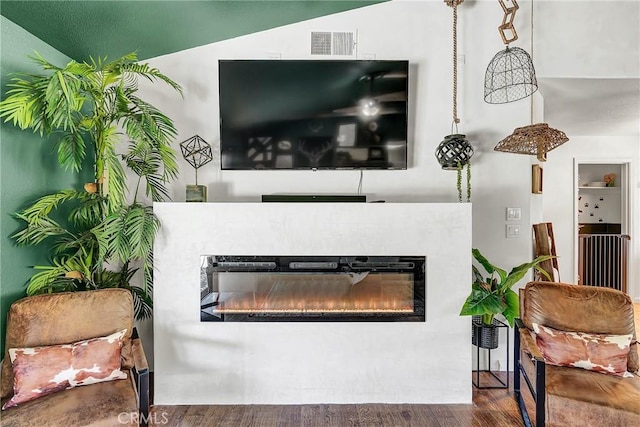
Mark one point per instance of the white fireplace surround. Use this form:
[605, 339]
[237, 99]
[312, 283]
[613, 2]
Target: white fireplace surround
[312, 362]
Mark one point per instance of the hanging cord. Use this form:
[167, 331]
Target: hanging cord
[360, 183]
[531, 100]
[456, 120]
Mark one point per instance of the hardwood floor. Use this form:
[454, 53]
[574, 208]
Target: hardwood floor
[490, 408]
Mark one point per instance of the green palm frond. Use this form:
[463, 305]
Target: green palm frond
[116, 181]
[130, 232]
[147, 163]
[71, 150]
[51, 278]
[148, 273]
[158, 126]
[83, 244]
[150, 73]
[152, 125]
[62, 100]
[90, 211]
[25, 105]
[142, 303]
[46, 65]
[156, 188]
[113, 235]
[45, 204]
[141, 228]
[38, 231]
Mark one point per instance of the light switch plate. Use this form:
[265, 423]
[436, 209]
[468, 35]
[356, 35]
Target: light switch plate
[513, 231]
[514, 214]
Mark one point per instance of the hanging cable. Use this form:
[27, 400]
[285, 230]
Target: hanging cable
[360, 183]
[456, 120]
[531, 49]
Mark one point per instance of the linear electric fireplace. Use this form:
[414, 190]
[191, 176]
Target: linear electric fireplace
[312, 288]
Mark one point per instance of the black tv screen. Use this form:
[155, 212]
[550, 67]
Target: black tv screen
[313, 114]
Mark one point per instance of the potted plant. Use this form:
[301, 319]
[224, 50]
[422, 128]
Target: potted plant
[96, 117]
[493, 295]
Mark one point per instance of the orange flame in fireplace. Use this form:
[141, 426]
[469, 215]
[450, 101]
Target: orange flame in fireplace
[295, 293]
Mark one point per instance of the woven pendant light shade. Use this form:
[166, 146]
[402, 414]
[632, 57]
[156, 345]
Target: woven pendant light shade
[535, 139]
[510, 76]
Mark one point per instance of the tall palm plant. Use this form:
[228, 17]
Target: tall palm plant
[92, 109]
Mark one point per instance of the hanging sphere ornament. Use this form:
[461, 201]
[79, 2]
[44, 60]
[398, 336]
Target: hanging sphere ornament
[453, 150]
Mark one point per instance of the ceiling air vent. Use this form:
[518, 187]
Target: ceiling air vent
[336, 43]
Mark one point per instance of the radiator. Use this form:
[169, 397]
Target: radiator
[602, 260]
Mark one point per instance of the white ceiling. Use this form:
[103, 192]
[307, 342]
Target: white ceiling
[592, 106]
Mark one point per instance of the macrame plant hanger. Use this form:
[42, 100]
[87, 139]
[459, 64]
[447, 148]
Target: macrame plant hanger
[455, 151]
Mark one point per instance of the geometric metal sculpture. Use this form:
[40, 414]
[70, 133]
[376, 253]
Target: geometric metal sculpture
[197, 152]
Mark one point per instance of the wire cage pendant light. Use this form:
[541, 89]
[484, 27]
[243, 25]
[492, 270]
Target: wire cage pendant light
[455, 151]
[510, 75]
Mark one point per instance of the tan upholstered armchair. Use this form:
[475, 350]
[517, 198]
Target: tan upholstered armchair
[566, 334]
[83, 331]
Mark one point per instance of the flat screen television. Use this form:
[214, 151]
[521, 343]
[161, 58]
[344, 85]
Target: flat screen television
[313, 114]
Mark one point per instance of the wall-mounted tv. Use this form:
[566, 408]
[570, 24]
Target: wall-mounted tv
[313, 114]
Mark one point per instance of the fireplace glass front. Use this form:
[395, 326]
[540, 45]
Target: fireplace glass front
[312, 288]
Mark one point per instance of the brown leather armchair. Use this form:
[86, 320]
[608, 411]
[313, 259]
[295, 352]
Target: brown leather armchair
[63, 318]
[571, 396]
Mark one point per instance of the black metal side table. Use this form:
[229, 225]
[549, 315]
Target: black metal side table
[477, 327]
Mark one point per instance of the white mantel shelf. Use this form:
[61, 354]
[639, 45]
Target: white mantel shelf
[312, 362]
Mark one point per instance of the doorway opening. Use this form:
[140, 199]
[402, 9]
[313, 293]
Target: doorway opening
[602, 222]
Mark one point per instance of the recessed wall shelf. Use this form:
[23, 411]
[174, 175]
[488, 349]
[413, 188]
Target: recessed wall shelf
[598, 188]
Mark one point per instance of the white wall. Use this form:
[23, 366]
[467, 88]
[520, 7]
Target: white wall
[312, 362]
[559, 195]
[419, 31]
[586, 38]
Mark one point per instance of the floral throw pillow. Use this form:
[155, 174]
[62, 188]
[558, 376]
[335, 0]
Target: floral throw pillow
[594, 352]
[39, 371]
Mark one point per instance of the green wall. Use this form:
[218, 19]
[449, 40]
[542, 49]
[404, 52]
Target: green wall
[114, 28]
[28, 168]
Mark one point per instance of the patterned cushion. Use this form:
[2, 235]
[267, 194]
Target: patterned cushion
[594, 352]
[40, 371]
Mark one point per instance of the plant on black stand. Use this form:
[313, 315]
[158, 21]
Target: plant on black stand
[493, 294]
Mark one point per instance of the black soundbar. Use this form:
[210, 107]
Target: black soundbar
[314, 198]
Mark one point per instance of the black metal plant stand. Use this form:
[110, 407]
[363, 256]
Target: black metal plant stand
[477, 330]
